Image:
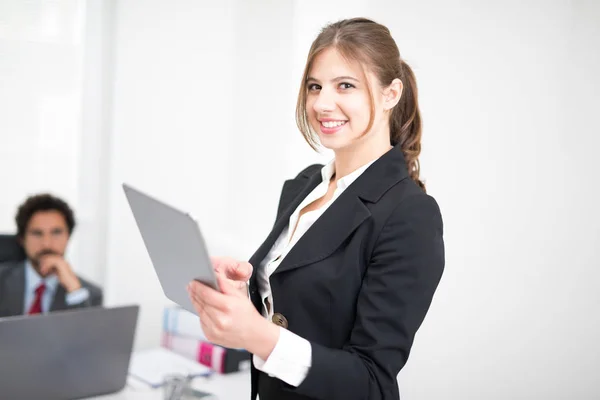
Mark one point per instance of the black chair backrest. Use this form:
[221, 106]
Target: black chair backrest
[10, 249]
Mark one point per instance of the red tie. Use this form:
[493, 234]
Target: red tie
[36, 307]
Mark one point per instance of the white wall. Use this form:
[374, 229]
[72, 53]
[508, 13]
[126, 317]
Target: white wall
[171, 124]
[196, 105]
[95, 137]
[516, 302]
[55, 64]
[42, 49]
[507, 92]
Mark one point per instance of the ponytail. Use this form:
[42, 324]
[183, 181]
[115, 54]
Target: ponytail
[405, 123]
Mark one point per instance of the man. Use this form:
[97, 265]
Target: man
[44, 281]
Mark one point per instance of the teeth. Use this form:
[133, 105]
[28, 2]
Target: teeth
[333, 124]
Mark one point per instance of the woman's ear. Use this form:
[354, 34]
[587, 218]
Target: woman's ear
[392, 94]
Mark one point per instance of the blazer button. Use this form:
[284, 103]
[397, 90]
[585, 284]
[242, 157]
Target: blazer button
[279, 320]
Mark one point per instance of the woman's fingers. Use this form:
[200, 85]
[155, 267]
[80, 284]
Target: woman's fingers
[209, 320]
[221, 264]
[232, 288]
[240, 271]
[232, 268]
[208, 296]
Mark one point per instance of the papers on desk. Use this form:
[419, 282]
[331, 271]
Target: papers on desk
[154, 365]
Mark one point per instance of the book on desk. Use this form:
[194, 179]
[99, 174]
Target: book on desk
[182, 334]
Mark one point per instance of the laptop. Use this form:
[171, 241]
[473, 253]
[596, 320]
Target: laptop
[66, 354]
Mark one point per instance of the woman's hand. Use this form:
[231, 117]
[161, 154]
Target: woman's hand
[229, 318]
[238, 273]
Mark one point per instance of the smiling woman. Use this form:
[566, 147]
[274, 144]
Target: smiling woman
[360, 70]
[339, 288]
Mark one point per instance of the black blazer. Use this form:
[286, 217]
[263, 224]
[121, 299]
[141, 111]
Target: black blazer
[357, 285]
[12, 288]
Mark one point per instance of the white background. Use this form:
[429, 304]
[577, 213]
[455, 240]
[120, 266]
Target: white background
[194, 102]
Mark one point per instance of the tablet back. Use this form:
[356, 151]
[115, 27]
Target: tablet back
[175, 245]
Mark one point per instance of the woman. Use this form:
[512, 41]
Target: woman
[348, 272]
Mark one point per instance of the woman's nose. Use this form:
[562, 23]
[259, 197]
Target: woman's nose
[325, 103]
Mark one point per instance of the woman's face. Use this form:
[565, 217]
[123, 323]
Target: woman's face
[338, 103]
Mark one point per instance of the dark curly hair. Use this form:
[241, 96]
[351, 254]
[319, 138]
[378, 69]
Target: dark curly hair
[42, 202]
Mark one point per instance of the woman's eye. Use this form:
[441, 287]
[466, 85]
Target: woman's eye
[346, 85]
[313, 87]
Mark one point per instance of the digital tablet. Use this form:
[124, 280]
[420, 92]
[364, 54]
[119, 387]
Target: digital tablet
[175, 246]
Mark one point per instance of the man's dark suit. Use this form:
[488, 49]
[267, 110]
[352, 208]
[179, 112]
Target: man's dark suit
[357, 285]
[12, 287]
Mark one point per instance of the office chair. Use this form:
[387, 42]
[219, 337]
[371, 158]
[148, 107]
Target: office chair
[10, 249]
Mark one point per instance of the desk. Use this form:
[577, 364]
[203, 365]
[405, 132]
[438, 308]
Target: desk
[233, 386]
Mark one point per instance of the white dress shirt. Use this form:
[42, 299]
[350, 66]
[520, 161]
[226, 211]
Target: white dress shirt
[291, 358]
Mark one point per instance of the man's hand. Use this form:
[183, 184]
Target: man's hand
[58, 265]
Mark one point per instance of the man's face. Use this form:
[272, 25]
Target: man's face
[47, 233]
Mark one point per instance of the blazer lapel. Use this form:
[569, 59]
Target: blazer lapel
[14, 288]
[59, 299]
[293, 192]
[346, 213]
[327, 233]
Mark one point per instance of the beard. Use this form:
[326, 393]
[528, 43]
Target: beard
[35, 260]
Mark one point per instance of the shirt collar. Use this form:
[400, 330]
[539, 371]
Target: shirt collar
[328, 170]
[342, 183]
[33, 279]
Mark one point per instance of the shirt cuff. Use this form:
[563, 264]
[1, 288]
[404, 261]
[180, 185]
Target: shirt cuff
[289, 361]
[77, 296]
